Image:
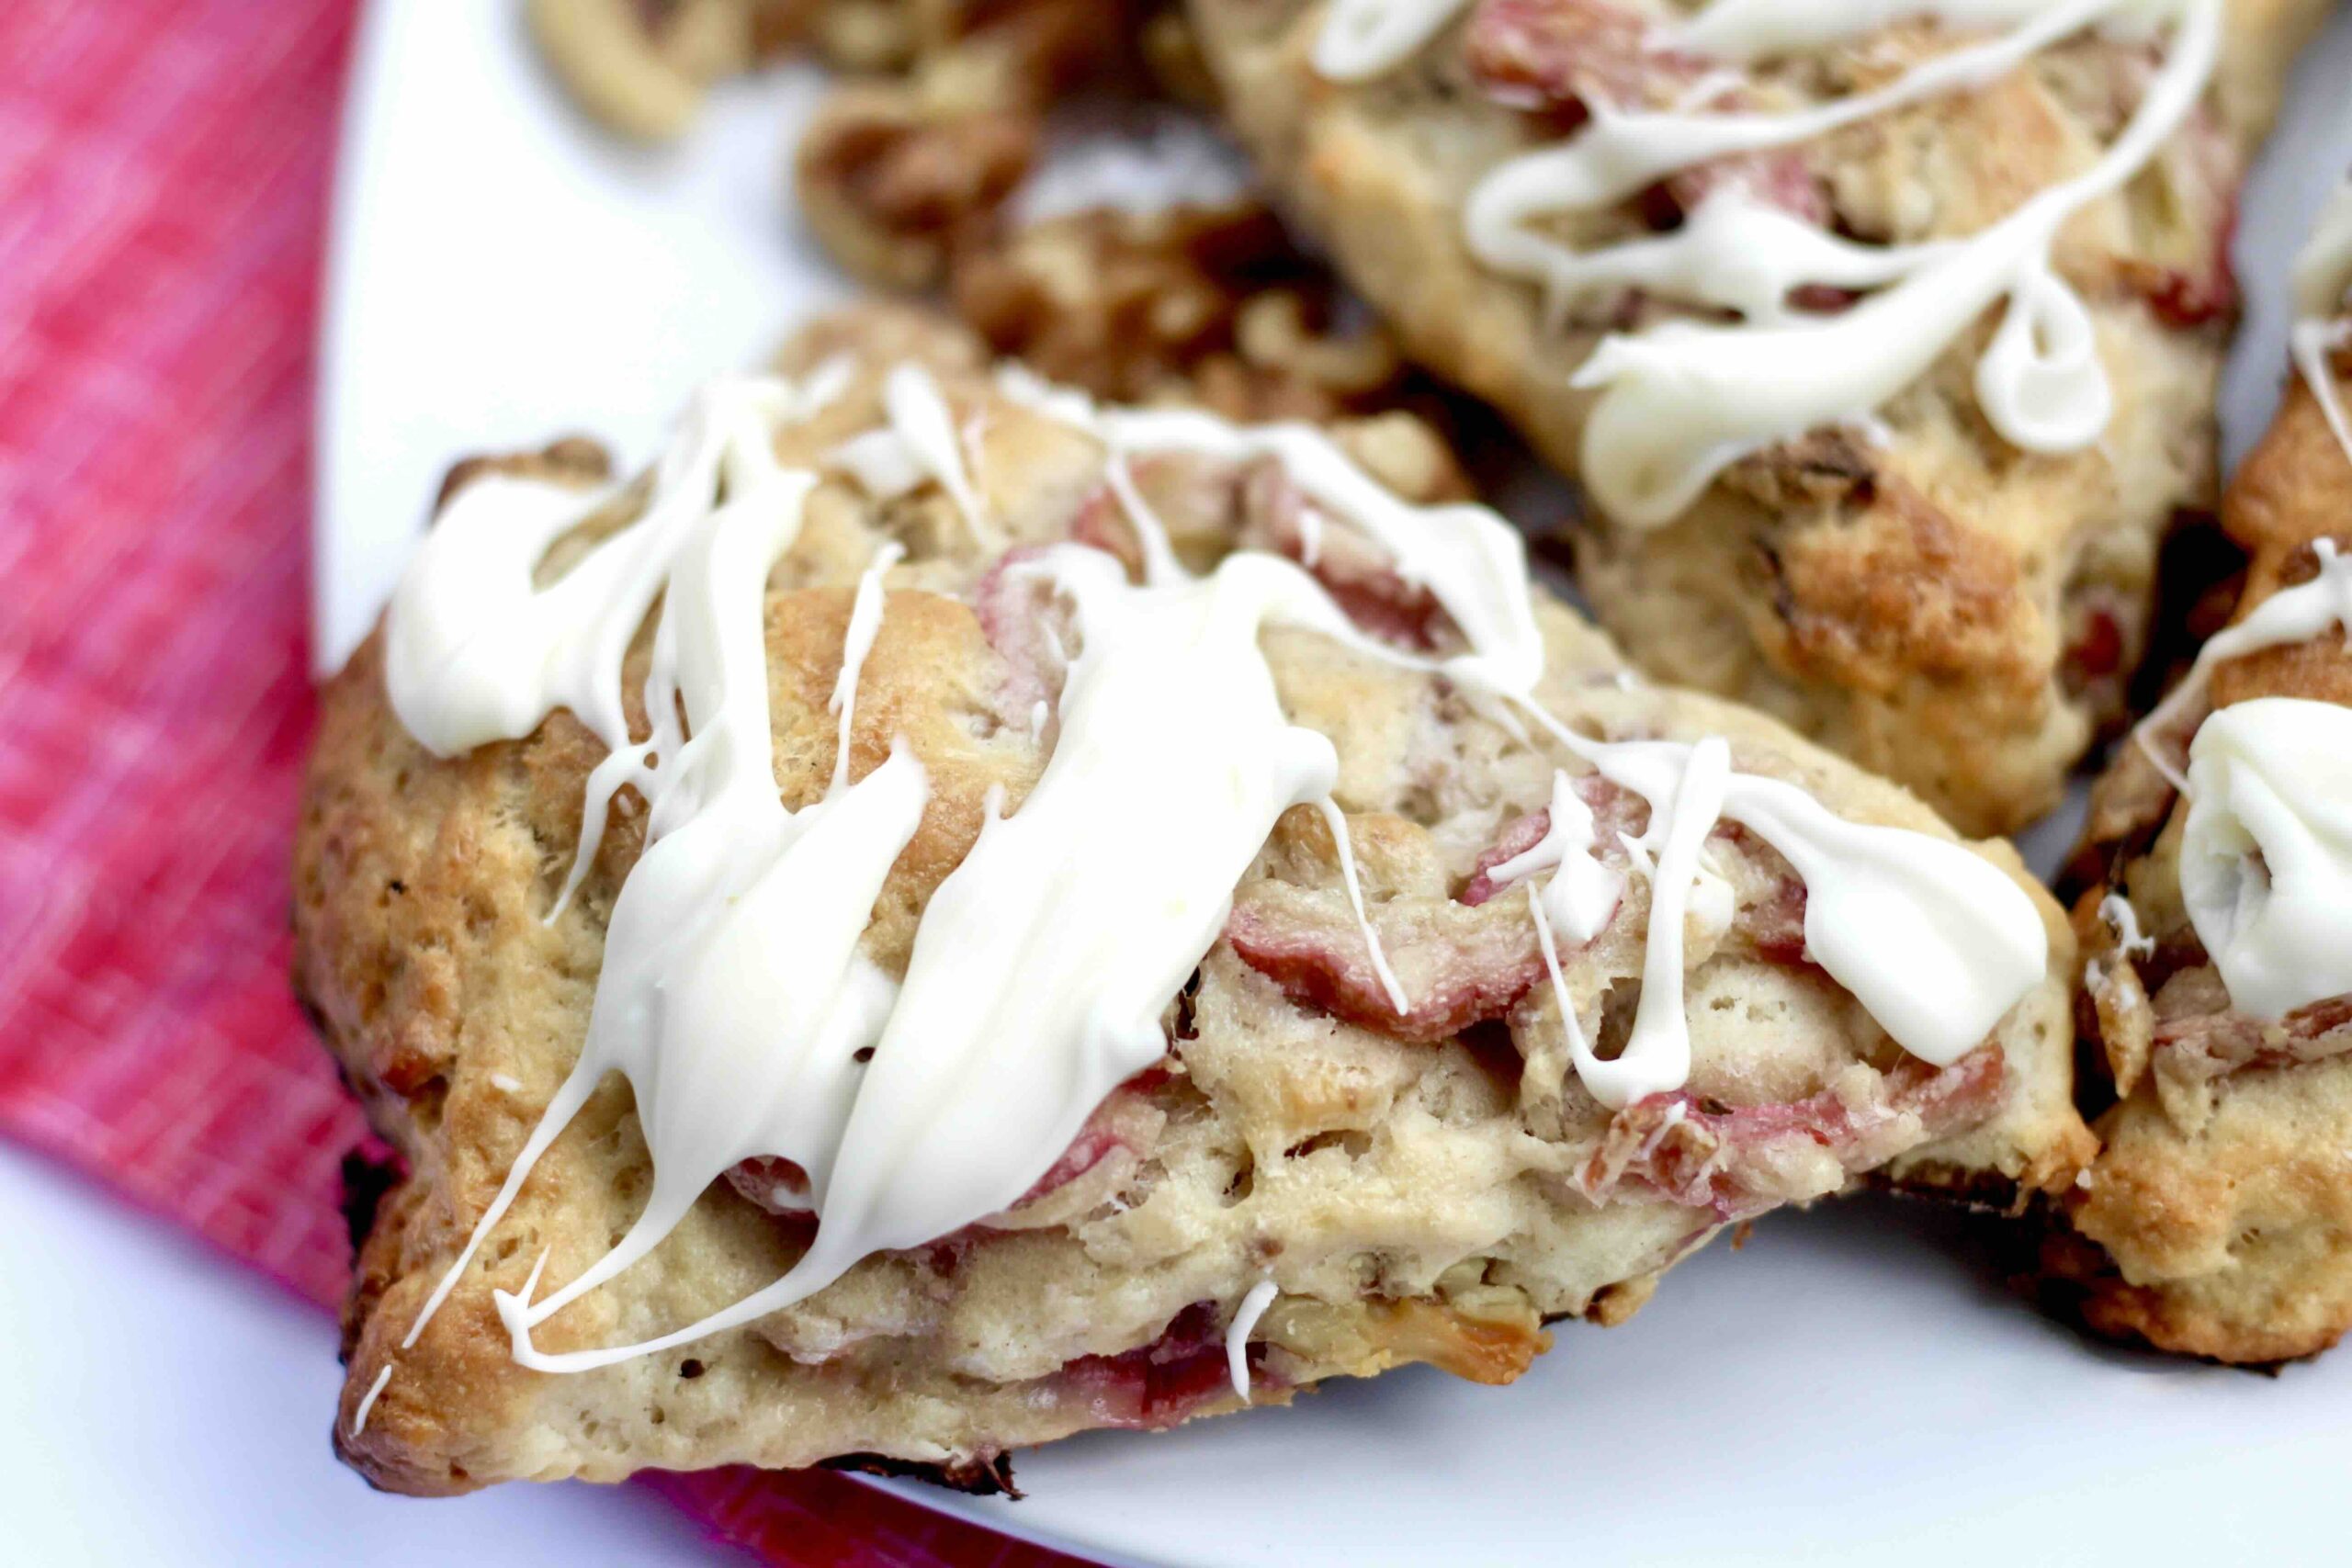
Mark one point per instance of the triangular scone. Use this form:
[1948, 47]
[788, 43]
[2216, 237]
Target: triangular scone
[1806, 450]
[1086, 1193]
[2218, 1218]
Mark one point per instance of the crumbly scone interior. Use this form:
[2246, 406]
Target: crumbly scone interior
[2217, 1220]
[1429, 1185]
[1911, 588]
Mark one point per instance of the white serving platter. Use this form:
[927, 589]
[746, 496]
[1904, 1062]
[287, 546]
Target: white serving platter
[1855, 1385]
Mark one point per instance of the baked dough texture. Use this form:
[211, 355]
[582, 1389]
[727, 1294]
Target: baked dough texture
[2217, 1220]
[1940, 607]
[1432, 1188]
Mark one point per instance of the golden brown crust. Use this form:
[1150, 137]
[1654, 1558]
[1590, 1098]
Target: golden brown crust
[1943, 609]
[2233, 1241]
[1417, 1197]
[2217, 1220]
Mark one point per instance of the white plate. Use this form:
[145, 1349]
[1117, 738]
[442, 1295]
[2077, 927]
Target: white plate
[1850, 1386]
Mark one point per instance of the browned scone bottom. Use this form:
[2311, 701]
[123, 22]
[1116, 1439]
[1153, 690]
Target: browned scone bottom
[1426, 1188]
[1928, 601]
[2217, 1220]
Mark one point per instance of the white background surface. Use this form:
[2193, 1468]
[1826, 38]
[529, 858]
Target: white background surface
[1853, 1386]
[160, 1406]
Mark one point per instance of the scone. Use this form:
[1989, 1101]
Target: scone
[948, 915]
[2218, 1219]
[1884, 337]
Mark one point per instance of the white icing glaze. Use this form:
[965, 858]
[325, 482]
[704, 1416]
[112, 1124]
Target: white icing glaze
[1028, 941]
[1310, 537]
[1363, 39]
[367, 1400]
[2266, 855]
[879, 462]
[734, 993]
[1681, 399]
[1657, 1052]
[2322, 283]
[1389, 984]
[2268, 843]
[1580, 1054]
[2292, 614]
[1746, 32]
[922, 419]
[1935, 941]
[1583, 893]
[864, 620]
[2124, 921]
[1620, 152]
[1708, 907]
[475, 653]
[1471, 561]
[1237, 1335]
[1733, 251]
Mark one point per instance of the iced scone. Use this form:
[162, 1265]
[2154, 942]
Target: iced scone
[2218, 1219]
[1882, 336]
[947, 915]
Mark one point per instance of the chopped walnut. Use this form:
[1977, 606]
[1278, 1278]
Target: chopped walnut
[1209, 303]
[891, 184]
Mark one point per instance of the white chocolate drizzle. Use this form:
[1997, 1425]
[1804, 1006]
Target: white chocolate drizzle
[1681, 399]
[2124, 921]
[1364, 39]
[735, 995]
[1389, 984]
[1935, 941]
[1030, 940]
[2290, 616]
[2266, 855]
[367, 1400]
[1310, 537]
[864, 620]
[921, 419]
[1582, 893]
[1746, 32]
[1237, 1334]
[2324, 310]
